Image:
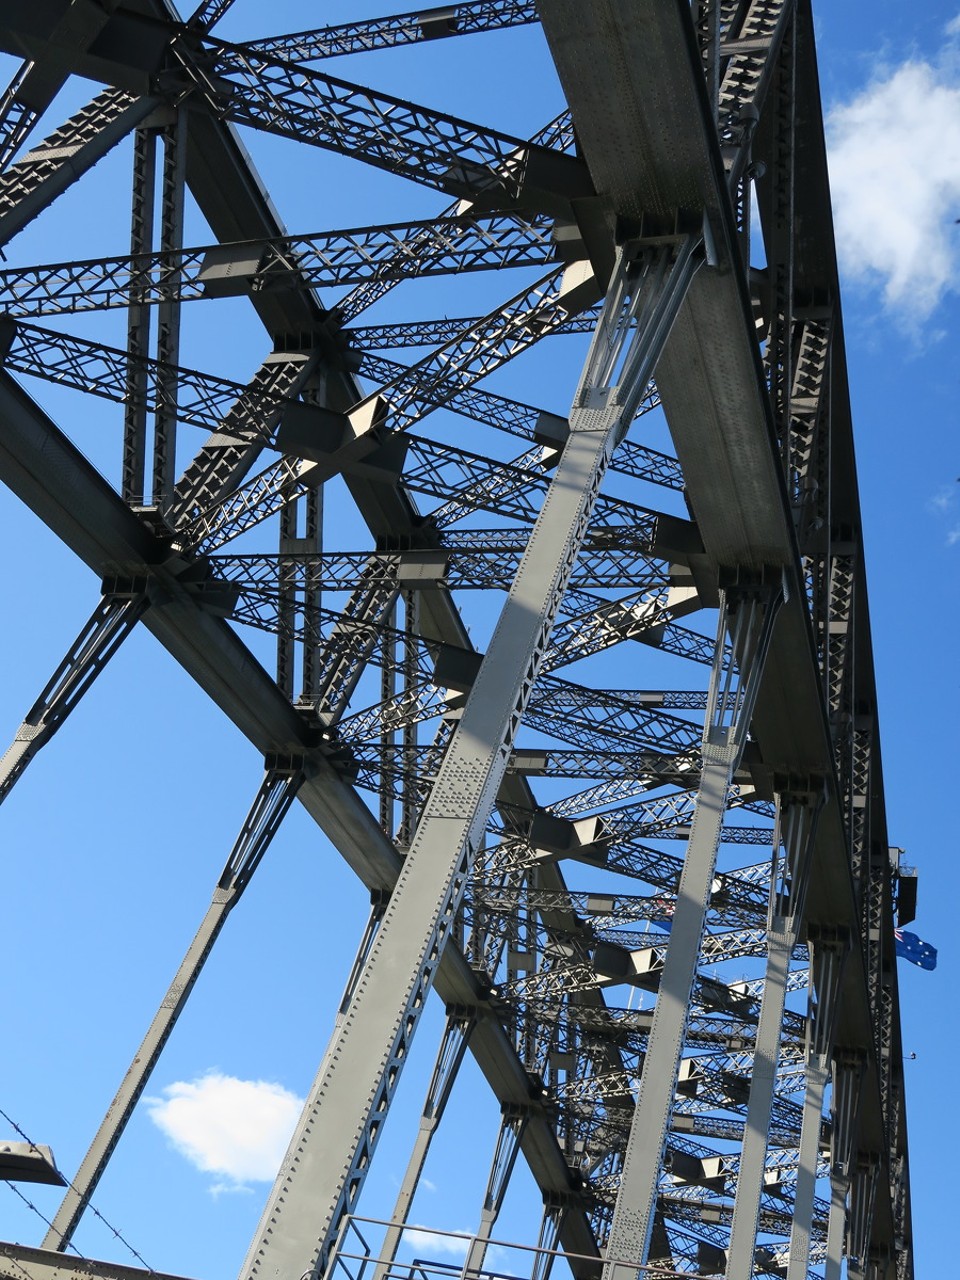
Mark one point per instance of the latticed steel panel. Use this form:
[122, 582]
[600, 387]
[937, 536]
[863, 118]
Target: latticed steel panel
[572, 675]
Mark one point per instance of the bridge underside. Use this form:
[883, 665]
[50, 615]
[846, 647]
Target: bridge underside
[537, 692]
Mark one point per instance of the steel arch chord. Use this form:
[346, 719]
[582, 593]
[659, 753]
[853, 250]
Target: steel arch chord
[653, 896]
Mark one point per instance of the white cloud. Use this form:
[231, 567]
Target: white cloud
[943, 507]
[895, 177]
[952, 29]
[436, 1244]
[237, 1129]
[944, 500]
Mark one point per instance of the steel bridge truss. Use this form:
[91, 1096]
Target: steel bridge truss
[538, 846]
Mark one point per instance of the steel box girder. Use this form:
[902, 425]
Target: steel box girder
[237, 208]
[17, 1260]
[656, 153]
[209, 181]
[45, 470]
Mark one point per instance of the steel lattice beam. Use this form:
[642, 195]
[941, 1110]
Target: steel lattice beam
[496, 780]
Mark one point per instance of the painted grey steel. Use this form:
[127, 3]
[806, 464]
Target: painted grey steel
[172, 199]
[729, 709]
[133, 476]
[505, 1155]
[44, 173]
[796, 828]
[219, 662]
[104, 632]
[18, 1261]
[810, 1136]
[453, 1045]
[399, 29]
[329, 260]
[273, 799]
[762, 442]
[325, 1164]
[848, 1074]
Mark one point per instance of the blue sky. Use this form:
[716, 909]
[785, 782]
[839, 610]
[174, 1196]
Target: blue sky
[115, 836]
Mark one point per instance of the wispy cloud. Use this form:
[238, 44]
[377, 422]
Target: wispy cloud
[943, 506]
[895, 176]
[235, 1129]
[426, 1243]
[436, 1243]
[944, 500]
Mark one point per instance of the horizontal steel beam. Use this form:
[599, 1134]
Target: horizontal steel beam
[49, 474]
[717, 407]
[20, 1262]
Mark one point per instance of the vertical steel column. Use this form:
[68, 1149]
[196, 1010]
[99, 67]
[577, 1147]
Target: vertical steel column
[16, 118]
[108, 626]
[410, 804]
[796, 827]
[168, 312]
[706, 21]
[505, 1154]
[312, 593]
[273, 799]
[453, 1046]
[325, 1166]
[287, 602]
[828, 955]
[748, 612]
[548, 1242]
[780, 250]
[848, 1073]
[811, 1127]
[388, 735]
[133, 475]
[378, 901]
[863, 1199]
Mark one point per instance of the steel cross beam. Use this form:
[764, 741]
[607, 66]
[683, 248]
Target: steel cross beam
[331, 259]
[106, 629]
[223, 693]
[427, 146]
[398, 29]
[750, 618]
[35, 181]
[717, 409]
[430, 333]
[102, 532]
[330, 1151]
[207, 400]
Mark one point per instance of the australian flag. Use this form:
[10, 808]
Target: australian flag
[914, 949]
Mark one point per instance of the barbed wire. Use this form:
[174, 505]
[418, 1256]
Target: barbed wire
[115, 1231]
[39, 1212]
